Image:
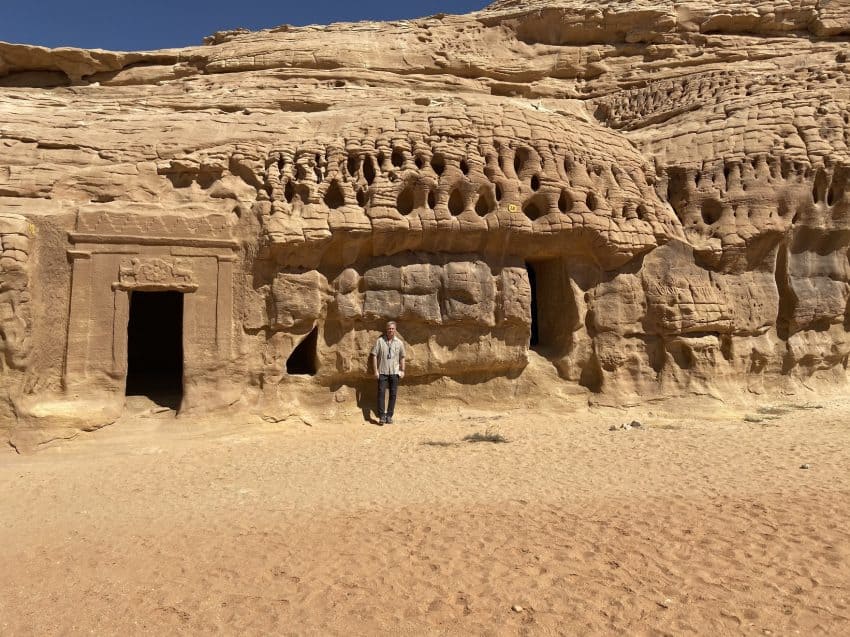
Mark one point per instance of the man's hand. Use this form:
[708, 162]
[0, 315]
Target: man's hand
[377, 375]
[401, 373]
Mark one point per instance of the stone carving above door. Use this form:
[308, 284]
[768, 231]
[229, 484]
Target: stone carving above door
[153, 274]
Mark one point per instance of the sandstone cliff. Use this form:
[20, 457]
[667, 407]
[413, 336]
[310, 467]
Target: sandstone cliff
[653, 195]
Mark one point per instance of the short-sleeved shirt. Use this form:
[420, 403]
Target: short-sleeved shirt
[388, 354]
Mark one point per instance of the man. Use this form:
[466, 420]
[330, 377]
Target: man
[388, 366]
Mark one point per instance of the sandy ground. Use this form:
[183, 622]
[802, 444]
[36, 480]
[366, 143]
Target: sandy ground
[699, 524]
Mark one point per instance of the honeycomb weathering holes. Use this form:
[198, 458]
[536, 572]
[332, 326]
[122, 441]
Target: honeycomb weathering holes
[456, 203]
[438, 164]
[711, 211]
[397, 158]
[404, 201]
[369, 170]
[334, 197]
[565, 202]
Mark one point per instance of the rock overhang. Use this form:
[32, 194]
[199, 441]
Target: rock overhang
[486, 177]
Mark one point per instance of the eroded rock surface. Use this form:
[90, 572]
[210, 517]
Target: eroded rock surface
[653, 195]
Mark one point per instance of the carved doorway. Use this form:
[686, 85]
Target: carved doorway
[535, 314]
[553, 309]
[155, 347]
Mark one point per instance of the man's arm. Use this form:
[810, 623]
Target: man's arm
[401, 361]
[374, 358]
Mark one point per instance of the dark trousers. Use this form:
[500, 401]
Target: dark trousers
[387, 381]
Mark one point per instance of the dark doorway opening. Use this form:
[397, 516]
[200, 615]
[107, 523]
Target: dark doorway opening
[155, 347]
[302, 361]
[554, 315]
[535, 324]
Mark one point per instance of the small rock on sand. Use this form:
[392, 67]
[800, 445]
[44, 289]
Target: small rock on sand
[627, 426]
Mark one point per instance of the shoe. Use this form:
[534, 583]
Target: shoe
[389, 421]
[382, 420]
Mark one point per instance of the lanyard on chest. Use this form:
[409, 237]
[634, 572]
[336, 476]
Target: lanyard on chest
[390, 349]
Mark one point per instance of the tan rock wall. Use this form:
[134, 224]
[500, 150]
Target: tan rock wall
[15, 296]
[458, 315]
[654, 193]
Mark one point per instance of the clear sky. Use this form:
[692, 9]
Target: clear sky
[134, 25]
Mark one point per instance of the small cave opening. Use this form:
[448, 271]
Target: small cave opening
[534, 209]
[35, 79]
[397, 157]
[591, 375]
[484, 205]
[711, 210]
[522, 160]
[155, 347]
[682, 355]
[334, 197]
[565, 202]
[404, 201]
[819, 186]
[369, 172]
[438, 164]
[456, 203]
[303, 360]
[180, 180]
[833, 195]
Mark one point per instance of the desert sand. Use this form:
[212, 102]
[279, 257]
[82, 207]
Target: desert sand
[703, 522]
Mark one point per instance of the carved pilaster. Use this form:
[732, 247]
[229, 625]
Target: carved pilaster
[79, 316]
[119, 333]
[224, 306]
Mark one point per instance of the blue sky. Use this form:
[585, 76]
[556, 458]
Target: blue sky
[155, 24]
